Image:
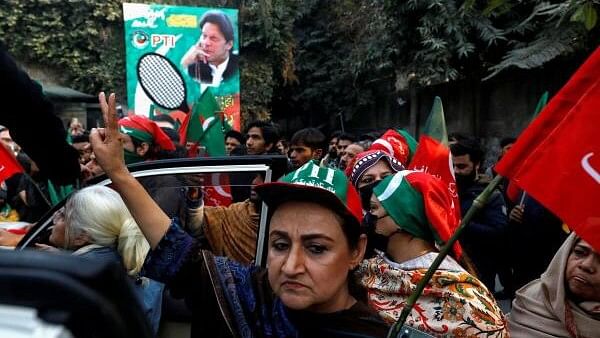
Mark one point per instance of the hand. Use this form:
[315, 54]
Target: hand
[7, 238]
[200, 54]
[107, 142]
[44, 247]
[516, 214]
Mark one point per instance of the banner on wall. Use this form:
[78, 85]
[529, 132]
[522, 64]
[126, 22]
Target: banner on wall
[176, 53]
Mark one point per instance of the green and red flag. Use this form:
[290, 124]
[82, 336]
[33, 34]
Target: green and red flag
[512, 191]
[433, 154]
[203, 126]
[397, 143]
[557, 158]
[421, 205]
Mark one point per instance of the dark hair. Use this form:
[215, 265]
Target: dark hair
[172, 133]
[310, 137]
[335, 134]
[506, 141]
[347, 136]
[269, 130]
[468, 147]
[456, 136]
[164, 118]
[221, 20]
[236, 135]
[85, 137]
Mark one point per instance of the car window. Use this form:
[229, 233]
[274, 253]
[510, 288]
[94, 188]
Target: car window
[180, 187]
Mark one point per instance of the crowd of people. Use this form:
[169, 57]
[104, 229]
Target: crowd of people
[352, 231]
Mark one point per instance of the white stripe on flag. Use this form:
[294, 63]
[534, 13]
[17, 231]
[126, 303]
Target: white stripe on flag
[387, 146]
[392, 186]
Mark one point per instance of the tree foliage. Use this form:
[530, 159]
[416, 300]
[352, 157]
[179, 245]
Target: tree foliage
[312, 59]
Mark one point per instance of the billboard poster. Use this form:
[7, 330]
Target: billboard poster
[185, 51]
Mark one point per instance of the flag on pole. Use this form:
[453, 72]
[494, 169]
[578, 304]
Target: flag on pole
[8, 164]
[557, 158]
[433, 154]
[512, 191]
[203, 126]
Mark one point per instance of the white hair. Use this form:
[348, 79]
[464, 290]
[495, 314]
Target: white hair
[100, 213]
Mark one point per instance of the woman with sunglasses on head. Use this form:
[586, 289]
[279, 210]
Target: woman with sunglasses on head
[96, 224]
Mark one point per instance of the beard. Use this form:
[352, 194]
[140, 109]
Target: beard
[465, 181]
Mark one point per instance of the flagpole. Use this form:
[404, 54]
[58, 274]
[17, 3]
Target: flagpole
[478, 204]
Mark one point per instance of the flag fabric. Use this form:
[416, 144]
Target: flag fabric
[433, 154]
[557, 158]
[397, 143]
[203, 126]
[8, 164]
[420, 205]
[512, 191]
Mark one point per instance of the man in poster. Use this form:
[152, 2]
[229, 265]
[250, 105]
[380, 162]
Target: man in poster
[210, 60]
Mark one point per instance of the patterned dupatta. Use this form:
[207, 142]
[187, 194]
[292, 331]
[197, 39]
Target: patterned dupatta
[453, 304]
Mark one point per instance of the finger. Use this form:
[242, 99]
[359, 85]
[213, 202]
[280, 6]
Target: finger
[110, 119]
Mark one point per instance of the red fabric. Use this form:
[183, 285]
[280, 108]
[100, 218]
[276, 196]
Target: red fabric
[144, 124]
[394, 144]
[434, 158]
[8, 164]
[439, 209]
[218, 191]
[557, 158]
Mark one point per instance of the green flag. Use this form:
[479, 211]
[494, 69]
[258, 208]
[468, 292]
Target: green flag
[203, 126]
[435, 126]
[540, 105]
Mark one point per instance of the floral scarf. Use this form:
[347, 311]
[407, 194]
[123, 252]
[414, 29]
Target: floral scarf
[453, 304]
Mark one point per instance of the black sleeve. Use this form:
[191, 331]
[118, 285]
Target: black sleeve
[30, 118]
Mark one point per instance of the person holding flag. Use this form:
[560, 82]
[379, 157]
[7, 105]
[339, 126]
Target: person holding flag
[564, 301]
[411, 215]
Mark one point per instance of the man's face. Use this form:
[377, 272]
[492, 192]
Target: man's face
[582, 273]
[230, 144]
[333, 144]
[301, 154]
[341, 146]
[7, 140]
[349, 154]
[213, 43]
[463, 165]
[255, 143]
[254, 198]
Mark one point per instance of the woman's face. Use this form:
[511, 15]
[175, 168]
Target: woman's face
[583, 272]
[378, 172]
[309, 258]
[385, 224]
[57, 237]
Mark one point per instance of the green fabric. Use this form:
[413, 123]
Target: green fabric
[131, 157]
[311, 174]
[540, 105]
[404, 204]
[435, 126]
[205, 125]
[138, 134]
[412, 143]
[58, 193]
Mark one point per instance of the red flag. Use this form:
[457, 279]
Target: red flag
[433, 155]
[557, 158]
[8, 164]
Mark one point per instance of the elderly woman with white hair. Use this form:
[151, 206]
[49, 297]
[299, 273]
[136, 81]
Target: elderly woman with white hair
[96, 224]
